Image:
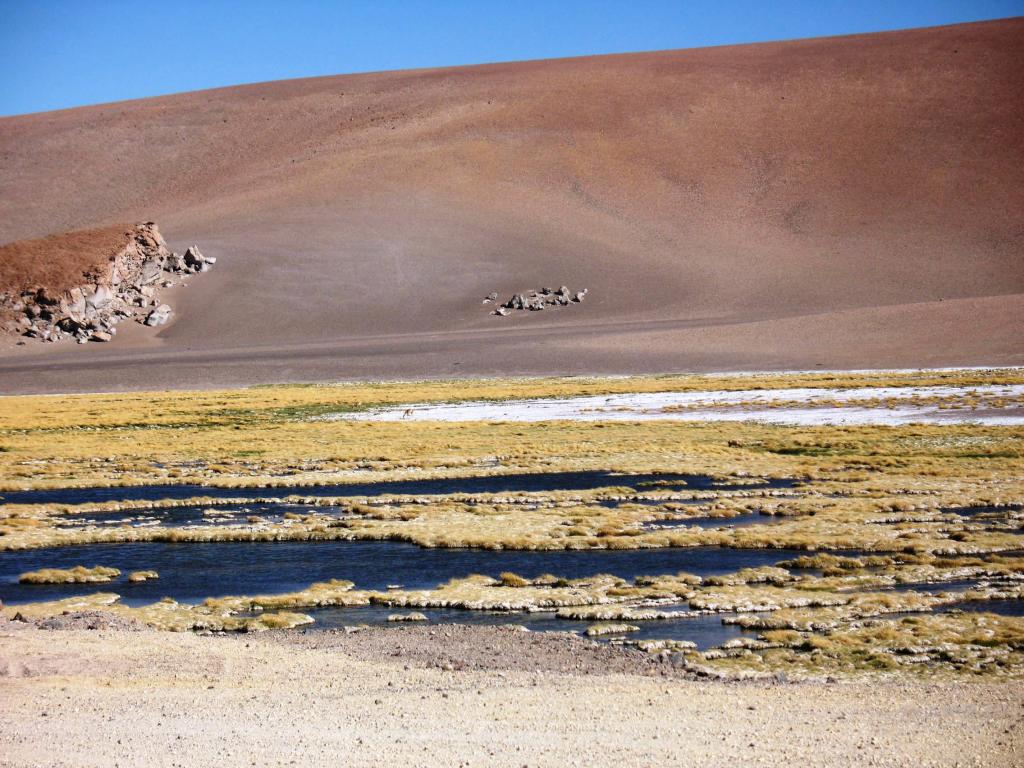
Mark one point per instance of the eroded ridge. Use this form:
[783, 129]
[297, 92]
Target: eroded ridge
[114, 274]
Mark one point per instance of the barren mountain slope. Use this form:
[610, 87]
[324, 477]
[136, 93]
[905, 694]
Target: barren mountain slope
[849, 201]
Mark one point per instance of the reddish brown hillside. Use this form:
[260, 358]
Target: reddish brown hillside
[849, 201]
[60, 262]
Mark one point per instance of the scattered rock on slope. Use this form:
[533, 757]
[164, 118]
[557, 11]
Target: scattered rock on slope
[536, 301]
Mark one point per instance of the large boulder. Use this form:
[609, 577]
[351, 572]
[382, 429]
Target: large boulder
[518, 301]
[158, 316]
[99, 298]
[194, 260]
[71, 323]
[73, 303]
[175, 263]
[150, 272]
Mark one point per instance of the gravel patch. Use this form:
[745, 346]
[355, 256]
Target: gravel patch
[459, 647]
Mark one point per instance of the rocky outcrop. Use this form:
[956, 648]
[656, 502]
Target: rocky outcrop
[536, 301]
[128, 287]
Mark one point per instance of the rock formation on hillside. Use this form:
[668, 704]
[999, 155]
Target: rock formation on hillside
[535, 301]
[128, 287]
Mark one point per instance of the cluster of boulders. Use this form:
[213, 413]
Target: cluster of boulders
[128, 288]
[535, 301]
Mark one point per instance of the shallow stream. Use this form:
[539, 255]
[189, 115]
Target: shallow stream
[527, 482]
[192, 571]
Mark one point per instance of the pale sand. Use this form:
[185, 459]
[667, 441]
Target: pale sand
[86, 698]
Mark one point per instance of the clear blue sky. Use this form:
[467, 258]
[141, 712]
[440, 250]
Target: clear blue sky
[64, 53]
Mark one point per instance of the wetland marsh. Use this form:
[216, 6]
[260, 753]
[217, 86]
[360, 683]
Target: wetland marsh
[737, 548]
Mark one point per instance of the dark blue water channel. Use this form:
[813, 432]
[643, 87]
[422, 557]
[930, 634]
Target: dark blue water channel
[706, 630]
[1007, 607]
[192, 571]
[195, 515]
[999, 513]
[523, 482]
[1002, 607]
[273, 512]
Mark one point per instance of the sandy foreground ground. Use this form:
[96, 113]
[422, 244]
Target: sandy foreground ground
[394, 696]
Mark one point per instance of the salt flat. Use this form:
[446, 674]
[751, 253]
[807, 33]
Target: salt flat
[800, 406]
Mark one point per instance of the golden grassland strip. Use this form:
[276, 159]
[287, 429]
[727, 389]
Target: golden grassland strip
[880, 488]
[887, 491]
[296, 453]
[269, 434]
[270, 404]
[873, 524]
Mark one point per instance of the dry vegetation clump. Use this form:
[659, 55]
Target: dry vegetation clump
[632, 612]
[221, 533]
[508, 579]
[400, 617]
[972, 644]
[279, 620]
[765, 575]
[471, 593]
[166, 614]
[599, 630]
[665, 647]
[835, 565]
[762, 598]
[856, 606]
[336, 592]
[139, 576]
[78, 575]
[483, 593]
